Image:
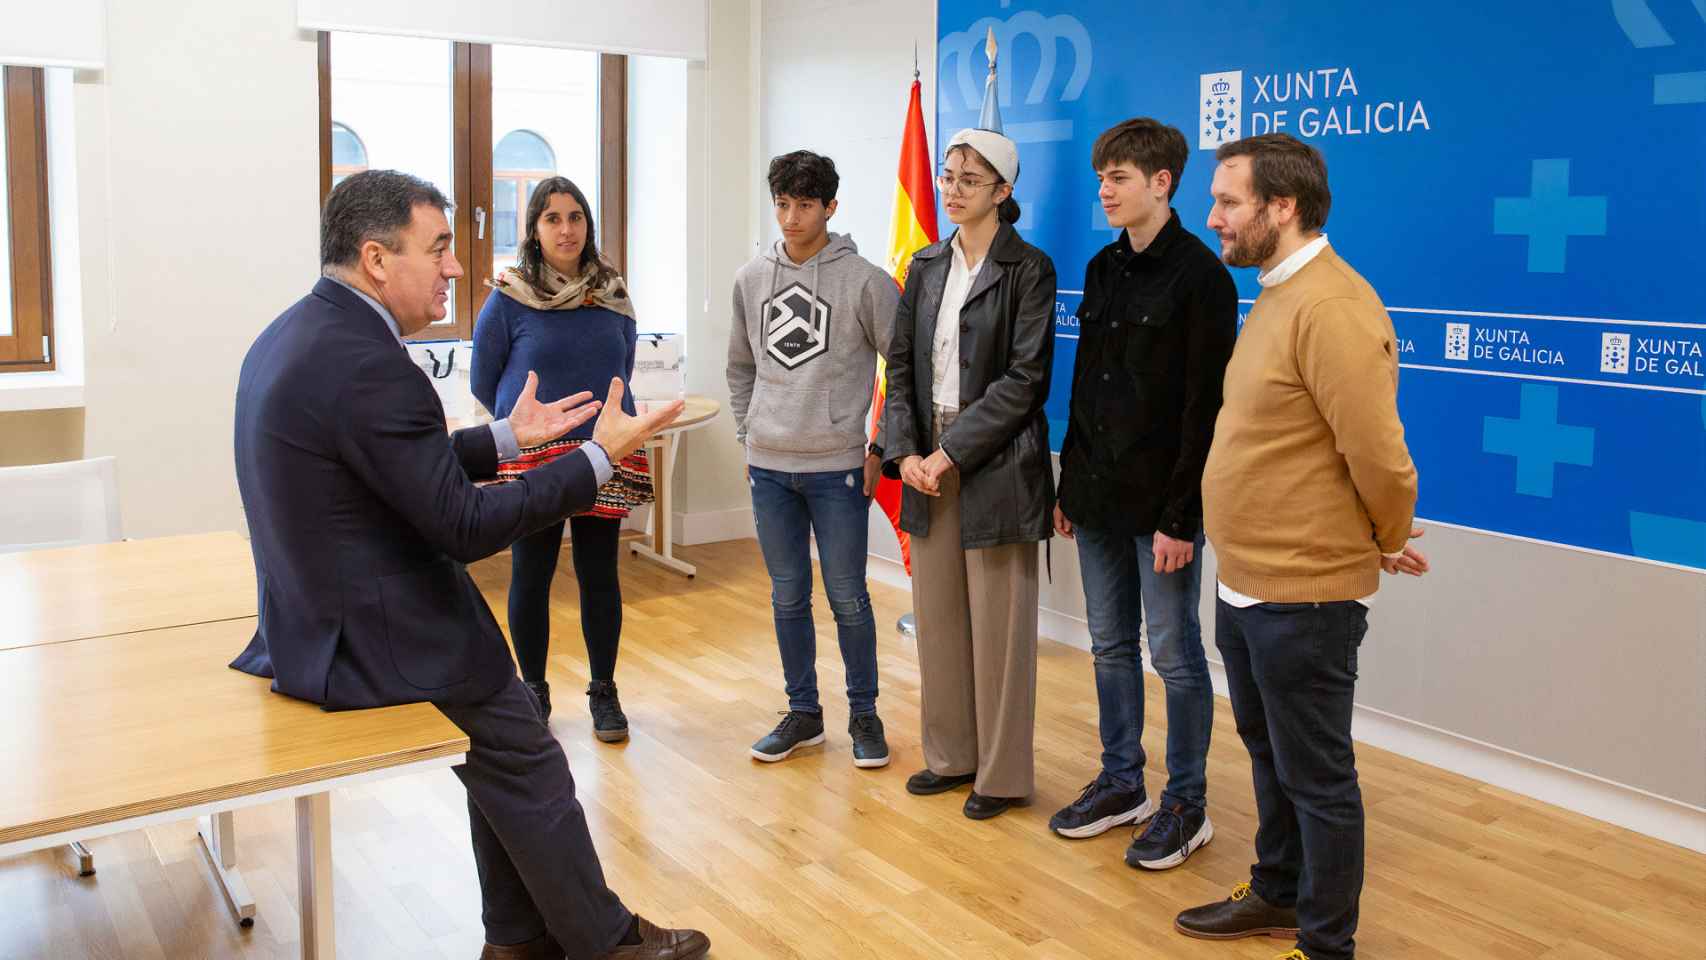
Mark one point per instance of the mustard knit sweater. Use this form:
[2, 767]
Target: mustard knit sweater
[1309, 480]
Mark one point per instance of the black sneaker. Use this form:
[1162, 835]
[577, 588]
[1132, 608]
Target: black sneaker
[870, 749]
[796, 730]
[1100, 808]
[609, 724]
[1174, 834]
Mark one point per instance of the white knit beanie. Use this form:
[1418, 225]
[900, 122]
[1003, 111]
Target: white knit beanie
[1000, 152]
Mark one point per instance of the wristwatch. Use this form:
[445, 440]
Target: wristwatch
[874, 451]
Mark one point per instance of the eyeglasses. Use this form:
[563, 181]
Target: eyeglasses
[948, 183]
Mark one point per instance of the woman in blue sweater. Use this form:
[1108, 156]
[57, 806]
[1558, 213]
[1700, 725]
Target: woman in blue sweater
[564, 313]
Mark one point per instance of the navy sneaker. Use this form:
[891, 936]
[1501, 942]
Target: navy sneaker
[870, 748]
[796, 730]
[1176, 832]
[1101, 807]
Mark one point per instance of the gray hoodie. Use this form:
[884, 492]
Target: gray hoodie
[803, 356]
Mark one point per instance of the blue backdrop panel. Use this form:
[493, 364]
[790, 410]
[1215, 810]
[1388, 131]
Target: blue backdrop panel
[1522, 182]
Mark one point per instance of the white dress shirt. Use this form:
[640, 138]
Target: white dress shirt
[945, 354]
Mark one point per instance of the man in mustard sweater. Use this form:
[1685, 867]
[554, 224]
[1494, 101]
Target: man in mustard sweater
[1309, 492]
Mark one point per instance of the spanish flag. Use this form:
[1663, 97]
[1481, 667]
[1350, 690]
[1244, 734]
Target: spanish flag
[912, 228]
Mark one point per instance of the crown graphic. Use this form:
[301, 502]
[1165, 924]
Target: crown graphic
[1221, 88]
[961, 59]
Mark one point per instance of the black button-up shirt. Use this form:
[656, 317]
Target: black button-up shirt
[1156, 329]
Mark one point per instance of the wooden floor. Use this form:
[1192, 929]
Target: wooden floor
[814, 859]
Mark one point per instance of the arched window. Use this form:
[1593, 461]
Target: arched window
[519, 161]
[349, 154]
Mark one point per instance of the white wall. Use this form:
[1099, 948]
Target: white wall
[1572, 677]
[198, 173]
[721, 230]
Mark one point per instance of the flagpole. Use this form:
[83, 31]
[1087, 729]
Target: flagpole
[907, 625]
[913, 227]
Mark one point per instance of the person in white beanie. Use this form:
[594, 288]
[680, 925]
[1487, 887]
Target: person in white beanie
[968, 372]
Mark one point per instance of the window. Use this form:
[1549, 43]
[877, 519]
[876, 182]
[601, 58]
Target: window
[519, 161]
[485, 124]
[26, 275]
[349, 154]
[401, 93]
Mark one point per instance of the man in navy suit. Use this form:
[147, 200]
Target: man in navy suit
[362, 512]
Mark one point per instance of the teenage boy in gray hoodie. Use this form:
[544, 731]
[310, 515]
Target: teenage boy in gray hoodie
[810, 318]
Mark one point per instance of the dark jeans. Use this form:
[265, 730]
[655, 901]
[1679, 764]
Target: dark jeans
[788, 509]
[1121, 587]
[1292, 669]
[533, 562]
[538, 869]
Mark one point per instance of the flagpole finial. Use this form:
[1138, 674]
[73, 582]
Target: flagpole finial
[989, 118]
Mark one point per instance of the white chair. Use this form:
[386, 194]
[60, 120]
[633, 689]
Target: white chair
[60, 505]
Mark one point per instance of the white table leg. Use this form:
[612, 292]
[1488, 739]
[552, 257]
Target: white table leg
[314, 875]
[85, 859]
[662, 548]
[218, 835]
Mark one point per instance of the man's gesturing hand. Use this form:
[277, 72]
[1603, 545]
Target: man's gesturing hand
[620, 434]
[535, 423]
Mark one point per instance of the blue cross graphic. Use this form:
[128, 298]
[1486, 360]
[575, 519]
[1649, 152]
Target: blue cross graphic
[1537, 440]
[1549, 216]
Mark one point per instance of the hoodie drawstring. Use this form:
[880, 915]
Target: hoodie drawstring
[776, 278]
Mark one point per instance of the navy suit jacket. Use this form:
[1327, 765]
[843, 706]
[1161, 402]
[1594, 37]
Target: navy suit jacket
[362, 512]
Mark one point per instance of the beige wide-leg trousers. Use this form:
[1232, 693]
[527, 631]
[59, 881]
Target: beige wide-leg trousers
[976, 612]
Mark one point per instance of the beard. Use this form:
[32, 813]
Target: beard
[1254, 244]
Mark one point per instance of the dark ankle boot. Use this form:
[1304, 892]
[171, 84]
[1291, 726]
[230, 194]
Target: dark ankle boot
[609, 724]
[542, 693]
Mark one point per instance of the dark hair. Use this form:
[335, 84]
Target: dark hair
[532, 260]
[371, 205]
[1149, 145]
[804, 174]
[1283, 166]
[1008, 211]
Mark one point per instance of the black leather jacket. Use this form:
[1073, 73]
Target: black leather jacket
[1000, 441]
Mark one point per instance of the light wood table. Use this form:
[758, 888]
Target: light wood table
[168, 732]
[660, 451]
[72, 593]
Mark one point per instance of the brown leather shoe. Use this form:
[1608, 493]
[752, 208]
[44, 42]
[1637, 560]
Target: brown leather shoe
[1244, 914]
[657, 943]
[540, 948]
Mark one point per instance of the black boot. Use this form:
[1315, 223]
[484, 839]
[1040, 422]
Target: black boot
[542, 693]
[609, 724]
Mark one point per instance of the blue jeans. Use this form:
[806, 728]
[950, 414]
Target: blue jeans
[1120, 588]
[788, 509]
[1291, 669]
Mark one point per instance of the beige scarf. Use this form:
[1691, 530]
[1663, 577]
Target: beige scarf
[560, 292]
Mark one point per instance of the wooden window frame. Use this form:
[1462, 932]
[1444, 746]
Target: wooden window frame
[472, 174]
[30, 345]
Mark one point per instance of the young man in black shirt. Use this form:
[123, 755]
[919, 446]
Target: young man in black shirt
[1157, 325]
